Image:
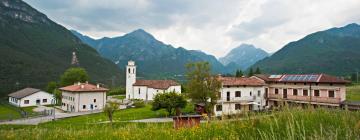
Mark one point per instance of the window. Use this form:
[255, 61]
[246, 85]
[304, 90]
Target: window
[259, 93]
[295, 92]
[129, 70]
[331, 84]
[94, 100]
[237, 107]
[139, 91]
[84, 106]
[26, 101]
[44, 100]
[237, 93]
[218, 107]
[331, 93]
[276, 91]
[316, 93]
[250, 93]
[305, 92]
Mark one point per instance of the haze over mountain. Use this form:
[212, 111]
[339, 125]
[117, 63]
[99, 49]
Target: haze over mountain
[333, 51]
[35, 50]
[243, 56]
[153, 58]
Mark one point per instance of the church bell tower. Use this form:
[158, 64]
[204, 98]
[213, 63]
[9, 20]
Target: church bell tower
[130, 79]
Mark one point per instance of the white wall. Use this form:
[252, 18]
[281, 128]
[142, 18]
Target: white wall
[78, 100]
[149, 93]
[40, 95]
[229, 108]
[130, 79]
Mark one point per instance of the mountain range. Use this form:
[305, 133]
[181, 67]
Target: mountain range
[35, 50]
[334, 51]
[153, 58]
[243, 56]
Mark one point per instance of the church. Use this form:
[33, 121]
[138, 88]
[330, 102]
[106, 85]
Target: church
[146, 89]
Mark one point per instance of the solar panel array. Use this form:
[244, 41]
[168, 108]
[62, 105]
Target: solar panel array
[275, 76]
[300, 78]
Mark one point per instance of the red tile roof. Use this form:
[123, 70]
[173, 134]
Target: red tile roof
[83, 87]
[319, 78]
[241, 81]
[156, 84]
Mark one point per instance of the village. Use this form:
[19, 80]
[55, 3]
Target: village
[236, 96]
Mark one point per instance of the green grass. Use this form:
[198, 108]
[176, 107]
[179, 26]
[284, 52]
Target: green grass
[290, 124]
[353, 92]
[8, 111]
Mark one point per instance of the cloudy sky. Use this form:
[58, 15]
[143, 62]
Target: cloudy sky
[213, 26]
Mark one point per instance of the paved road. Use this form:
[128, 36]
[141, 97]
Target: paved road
[37, 120]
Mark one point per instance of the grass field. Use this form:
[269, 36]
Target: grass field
[288, 124]
[353, 92]
[8, 111]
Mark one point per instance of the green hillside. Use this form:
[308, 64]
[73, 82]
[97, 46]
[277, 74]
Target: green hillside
[35, 50]
[335, 51]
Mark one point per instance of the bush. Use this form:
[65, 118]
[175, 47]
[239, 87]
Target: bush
[138, 103]
[117, 91]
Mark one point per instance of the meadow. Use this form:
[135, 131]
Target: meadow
[290, 124]
[353, 92]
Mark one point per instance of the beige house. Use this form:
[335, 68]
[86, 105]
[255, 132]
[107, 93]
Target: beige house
[83, 97]
[304, 89]
[240, 94]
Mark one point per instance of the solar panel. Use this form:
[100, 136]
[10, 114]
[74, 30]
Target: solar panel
[302, 78]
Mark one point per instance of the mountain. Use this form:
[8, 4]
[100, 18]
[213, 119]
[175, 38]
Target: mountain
[153, 58]
[333, 51]
[243, 56]
[35, 50]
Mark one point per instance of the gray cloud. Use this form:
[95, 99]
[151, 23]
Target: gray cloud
[214, 26]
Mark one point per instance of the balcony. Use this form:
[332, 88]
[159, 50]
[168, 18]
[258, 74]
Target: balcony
[306, 98]
[237, 99]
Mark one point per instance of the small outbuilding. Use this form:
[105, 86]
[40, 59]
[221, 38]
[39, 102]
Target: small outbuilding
[30, 97]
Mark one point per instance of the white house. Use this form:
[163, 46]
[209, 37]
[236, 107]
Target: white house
[146, 89]
[30, 97]
[239, 94]
[83, 97]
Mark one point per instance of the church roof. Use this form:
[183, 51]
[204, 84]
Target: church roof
[156, 84]
[83, 87]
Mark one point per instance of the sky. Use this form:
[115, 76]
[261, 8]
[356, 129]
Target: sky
[213, 26]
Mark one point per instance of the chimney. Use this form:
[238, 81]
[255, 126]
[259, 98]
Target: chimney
[82, 86]
[97, 86]
[78, 83]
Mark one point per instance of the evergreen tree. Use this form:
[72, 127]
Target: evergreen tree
[251, 72]
[239, 73]
[257, 71]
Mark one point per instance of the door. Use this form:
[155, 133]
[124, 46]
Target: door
[92, 107]
[285, 93]
[227, 96]
[38, 102]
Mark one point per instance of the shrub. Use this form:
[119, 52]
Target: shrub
[138, 103]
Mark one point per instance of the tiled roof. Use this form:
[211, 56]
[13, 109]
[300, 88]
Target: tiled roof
[316, 78]
[83, 87]
[241, 81]
[23, 93]
[156, 84]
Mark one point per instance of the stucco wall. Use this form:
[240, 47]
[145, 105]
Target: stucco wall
[145, 93]
[41, 95]
[80, 99]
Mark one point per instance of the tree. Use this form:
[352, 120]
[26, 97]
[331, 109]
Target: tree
[73, 75]
[257, 71]
[251, 72]
[202, 86]
[239, 73]
[110, 108]
[51, 86]
[169, 101]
